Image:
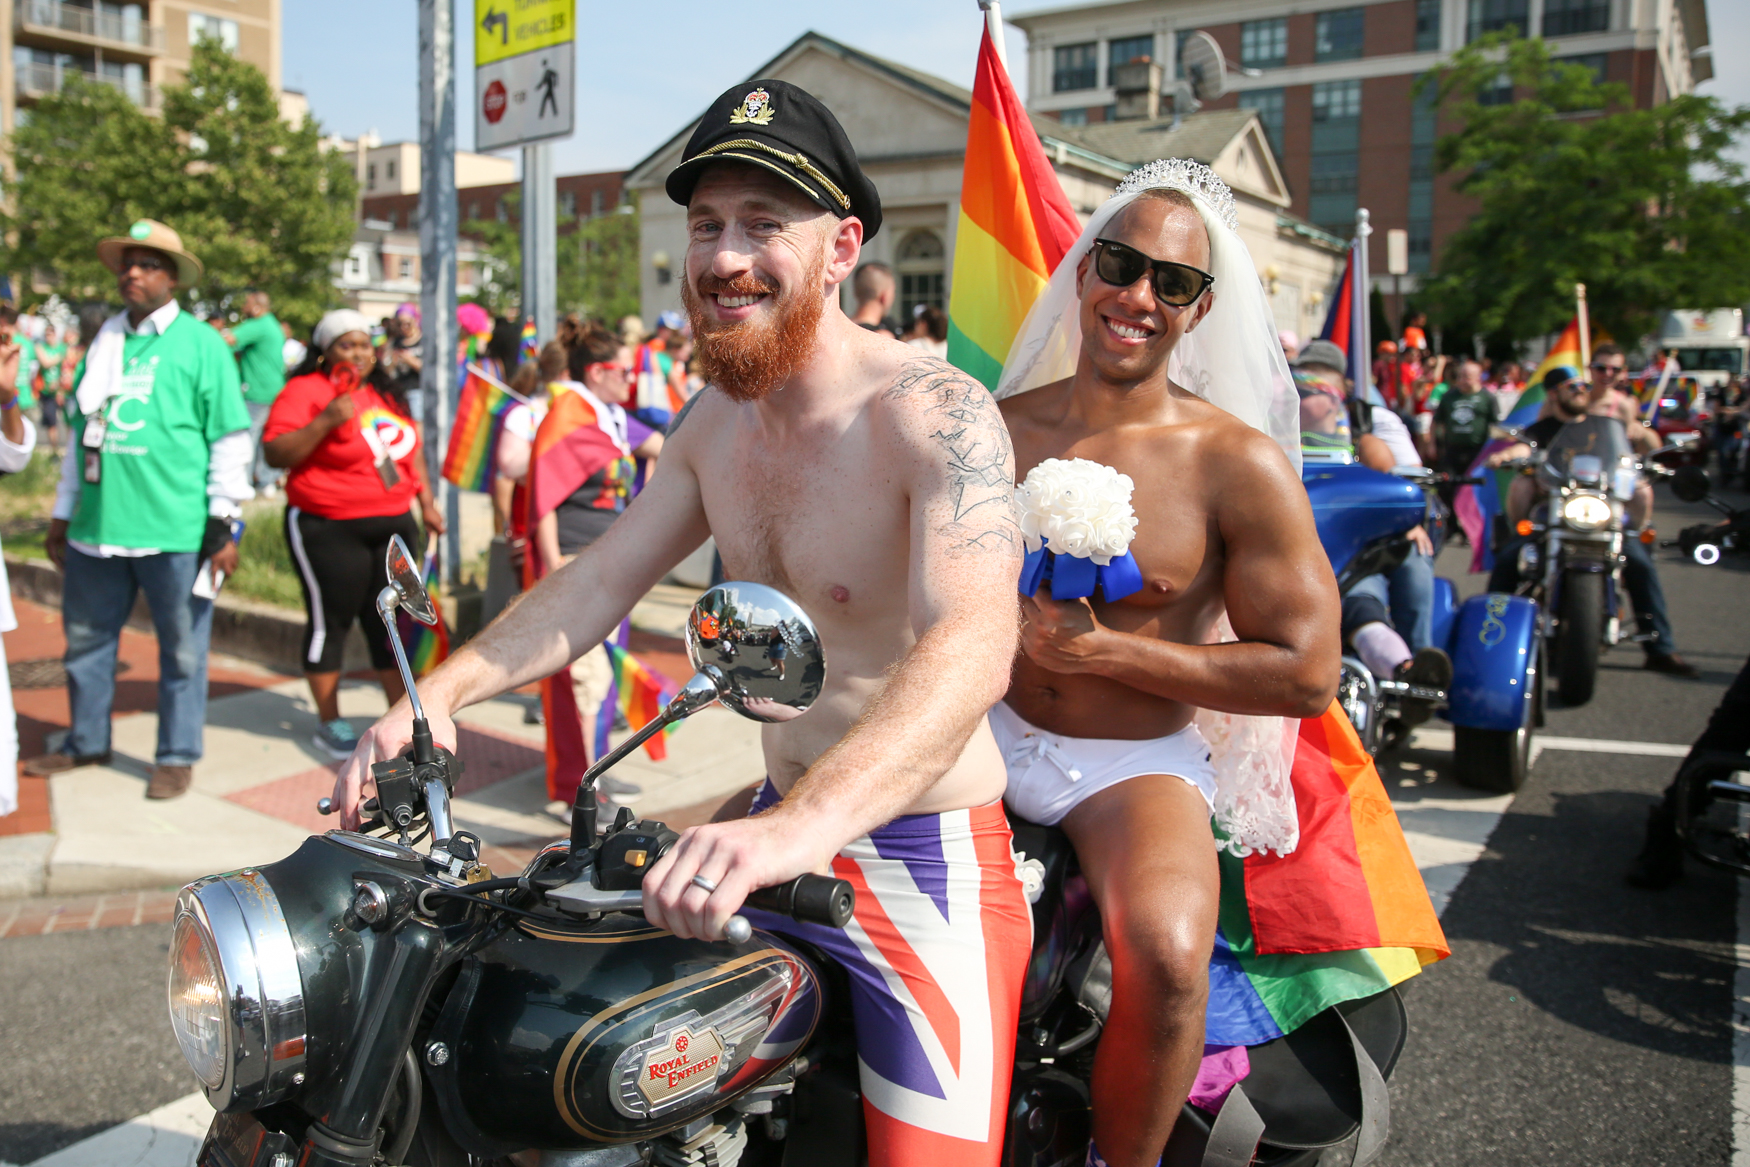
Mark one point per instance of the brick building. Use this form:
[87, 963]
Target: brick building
[582, 195]
[1331, 82]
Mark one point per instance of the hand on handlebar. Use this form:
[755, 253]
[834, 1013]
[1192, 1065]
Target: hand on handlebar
[737, 857]
[1512, 453]
[392, 734]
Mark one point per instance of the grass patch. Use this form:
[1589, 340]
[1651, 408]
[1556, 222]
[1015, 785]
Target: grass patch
[265, 571]
[25, 501]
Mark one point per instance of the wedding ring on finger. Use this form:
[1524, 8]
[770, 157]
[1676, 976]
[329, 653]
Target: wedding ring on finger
[701, 882]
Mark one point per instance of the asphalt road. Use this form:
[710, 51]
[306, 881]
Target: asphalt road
[1577, 1022]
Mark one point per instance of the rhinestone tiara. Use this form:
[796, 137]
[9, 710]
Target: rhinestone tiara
[1182, 174]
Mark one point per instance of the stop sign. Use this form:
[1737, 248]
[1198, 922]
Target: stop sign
[493, 102]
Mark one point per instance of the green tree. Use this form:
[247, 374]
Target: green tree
[255, 198]
[597, 263]
[1575, 185]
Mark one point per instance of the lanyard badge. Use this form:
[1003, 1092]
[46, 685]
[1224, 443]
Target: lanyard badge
[92, 443]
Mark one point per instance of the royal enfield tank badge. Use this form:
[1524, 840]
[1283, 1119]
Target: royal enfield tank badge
[756, 110]
[686, 1063]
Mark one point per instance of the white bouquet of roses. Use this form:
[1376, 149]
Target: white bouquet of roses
[1080, 508]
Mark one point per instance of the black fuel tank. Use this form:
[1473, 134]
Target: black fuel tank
[567, 1034]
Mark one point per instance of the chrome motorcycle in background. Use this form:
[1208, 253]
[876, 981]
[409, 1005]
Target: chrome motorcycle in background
[362, 1003]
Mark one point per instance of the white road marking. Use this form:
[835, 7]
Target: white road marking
[167, 1137]
[1441, 739]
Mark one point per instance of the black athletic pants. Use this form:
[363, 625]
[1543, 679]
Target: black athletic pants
[340, 564]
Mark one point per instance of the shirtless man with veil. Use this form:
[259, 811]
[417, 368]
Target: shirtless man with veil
[1153, 351]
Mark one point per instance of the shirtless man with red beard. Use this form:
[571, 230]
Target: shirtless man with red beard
[873, 486]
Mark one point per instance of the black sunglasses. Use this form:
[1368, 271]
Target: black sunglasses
[1175, 284]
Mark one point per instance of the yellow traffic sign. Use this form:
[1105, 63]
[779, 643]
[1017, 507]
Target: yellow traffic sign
[508, 28]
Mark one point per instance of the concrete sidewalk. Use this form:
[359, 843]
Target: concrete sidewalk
[254, 795]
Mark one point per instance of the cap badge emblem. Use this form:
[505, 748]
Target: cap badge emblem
[756, 110]
[140, 230]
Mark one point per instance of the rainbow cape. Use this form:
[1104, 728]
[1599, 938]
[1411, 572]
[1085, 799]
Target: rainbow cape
[1015, 225]
[569, 447]
[480, 412]
[1343, 916]
[428, 646]
[642, 696]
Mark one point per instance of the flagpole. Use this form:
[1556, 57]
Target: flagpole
[1585, 327]
[993, 23]
[1361, 327]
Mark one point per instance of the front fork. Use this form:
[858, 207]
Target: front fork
[1555, 565]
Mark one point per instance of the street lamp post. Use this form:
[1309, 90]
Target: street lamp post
[437, 254]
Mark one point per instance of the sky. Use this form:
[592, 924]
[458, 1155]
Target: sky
[640, 79]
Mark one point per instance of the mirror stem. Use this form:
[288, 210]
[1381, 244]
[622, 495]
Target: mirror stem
[695, 695]
[387, 599]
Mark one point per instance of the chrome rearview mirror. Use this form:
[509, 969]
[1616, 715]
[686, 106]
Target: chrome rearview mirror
[756, 652]
[410, 594]
[760, 648]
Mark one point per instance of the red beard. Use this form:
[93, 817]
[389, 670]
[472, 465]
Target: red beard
[749, 360]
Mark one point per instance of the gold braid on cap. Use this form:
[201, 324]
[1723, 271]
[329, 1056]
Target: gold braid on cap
[1194, 178]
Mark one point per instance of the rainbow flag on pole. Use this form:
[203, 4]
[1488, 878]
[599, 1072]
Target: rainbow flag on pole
[642, 696]
[1343, 916]
[428, 646]
[479, 414]
[1015, 225]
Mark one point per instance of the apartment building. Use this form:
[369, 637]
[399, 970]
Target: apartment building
[581, 195]
[139, 46]
[1332, 82]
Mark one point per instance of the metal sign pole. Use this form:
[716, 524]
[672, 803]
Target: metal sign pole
[1363, 326]
[540, 228]
[437, 254]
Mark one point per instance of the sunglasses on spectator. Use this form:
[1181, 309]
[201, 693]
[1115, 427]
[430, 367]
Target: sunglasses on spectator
[613, 367]
[1175, 284]
[1598, 368]
[145, 263]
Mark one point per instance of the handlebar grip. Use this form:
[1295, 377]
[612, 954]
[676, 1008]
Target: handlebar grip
[813, 899]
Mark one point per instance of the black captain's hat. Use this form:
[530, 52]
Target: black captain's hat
[786, 130]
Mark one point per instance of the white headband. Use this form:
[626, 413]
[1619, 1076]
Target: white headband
[337, 324]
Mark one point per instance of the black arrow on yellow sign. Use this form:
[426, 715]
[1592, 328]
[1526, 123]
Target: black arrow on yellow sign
[494, 16]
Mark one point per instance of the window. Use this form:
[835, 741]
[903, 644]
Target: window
[1593, 61]
[503, 212]
[1268, 104]
[1427, 25]
[1423, 128]
[406, 268]
[1075, 67]
[217, 27]
[595, 202]
[1073, 117]
[1129, 48]
[1500, 93]
[1566, 17]
[1494, 15]
[389, 169]
[370, 176]
[1179, 39]
[1336, 159]
[568, 204]
[1264, 43]
[1339, 35]
[920, 265]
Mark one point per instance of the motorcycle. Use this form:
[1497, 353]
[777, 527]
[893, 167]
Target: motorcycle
[363, 1003]
[1704, 543]
[1495, 704]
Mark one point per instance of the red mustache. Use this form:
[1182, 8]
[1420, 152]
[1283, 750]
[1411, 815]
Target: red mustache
[743, 285]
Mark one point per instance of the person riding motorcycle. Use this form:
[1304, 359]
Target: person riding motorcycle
[1569, 399]
[875, 486]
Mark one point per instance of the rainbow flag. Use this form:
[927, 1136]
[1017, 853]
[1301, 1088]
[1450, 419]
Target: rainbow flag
[1015, 225]
[530, 350]
[1343, 916]
[642, 696]
[428, 646]
[1340, 325]
[473, 437]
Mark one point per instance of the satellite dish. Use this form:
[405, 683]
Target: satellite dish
[1204, 66]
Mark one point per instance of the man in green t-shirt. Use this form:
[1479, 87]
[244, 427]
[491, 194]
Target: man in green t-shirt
[259, 344]
[157, 467]
[1463, 417]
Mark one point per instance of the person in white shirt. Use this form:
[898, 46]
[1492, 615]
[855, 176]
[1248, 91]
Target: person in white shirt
[17, 440]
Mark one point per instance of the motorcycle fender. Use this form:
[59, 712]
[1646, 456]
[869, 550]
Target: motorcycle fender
[1445, 610]
[239, 1140]
[1493, 641]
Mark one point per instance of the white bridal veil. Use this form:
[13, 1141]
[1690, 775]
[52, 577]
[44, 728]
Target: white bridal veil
[1233, 360]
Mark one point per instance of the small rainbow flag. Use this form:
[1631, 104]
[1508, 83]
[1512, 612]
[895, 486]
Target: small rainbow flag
[1343, 916]
[474, 435]
[1015, 226]
[530, 350]
[428, 646]
[642, 697]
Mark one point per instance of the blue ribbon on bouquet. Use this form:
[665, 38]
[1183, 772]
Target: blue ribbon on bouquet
[1073, 577]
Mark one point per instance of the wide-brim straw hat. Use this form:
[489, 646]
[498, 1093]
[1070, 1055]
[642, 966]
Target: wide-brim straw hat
[151, 233]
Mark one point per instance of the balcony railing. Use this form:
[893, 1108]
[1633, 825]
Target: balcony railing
[36, 80]
[54, 16]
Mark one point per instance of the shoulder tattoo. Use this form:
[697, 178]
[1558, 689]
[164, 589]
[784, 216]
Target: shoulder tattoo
[978, 457]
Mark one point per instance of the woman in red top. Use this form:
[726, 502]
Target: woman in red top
[342, 427]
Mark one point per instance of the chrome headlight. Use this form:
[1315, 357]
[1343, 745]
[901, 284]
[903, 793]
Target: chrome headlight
[236, 997]
[1586, 512]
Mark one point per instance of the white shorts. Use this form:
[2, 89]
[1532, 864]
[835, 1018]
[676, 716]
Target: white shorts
[1050, 774]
